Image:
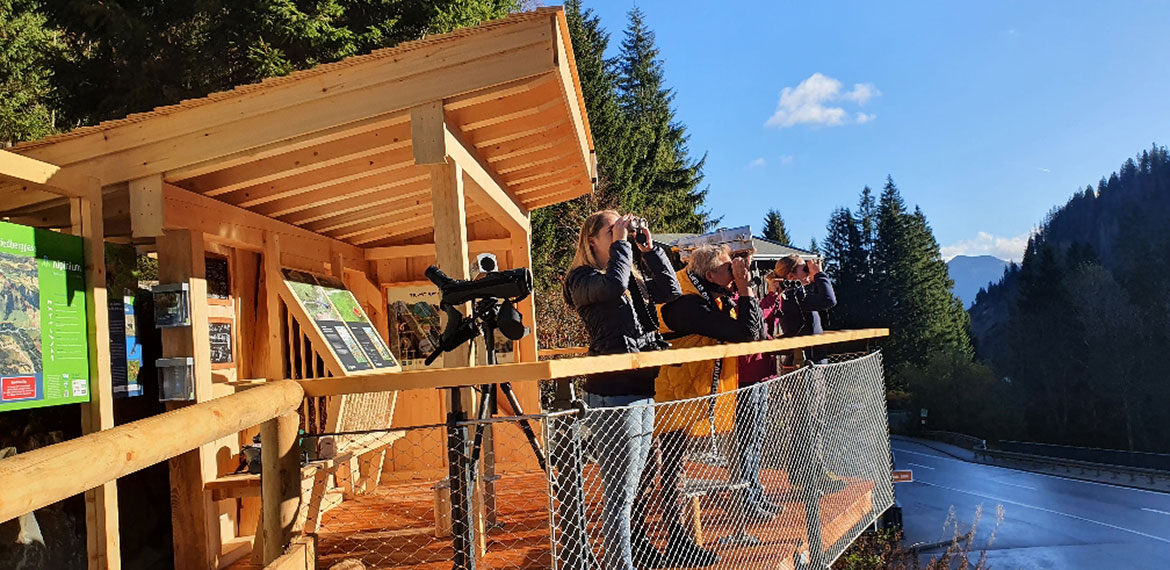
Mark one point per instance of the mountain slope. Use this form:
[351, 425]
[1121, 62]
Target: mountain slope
[972, 273]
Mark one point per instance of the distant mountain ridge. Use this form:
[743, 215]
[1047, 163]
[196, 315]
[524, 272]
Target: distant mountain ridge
[974, 272]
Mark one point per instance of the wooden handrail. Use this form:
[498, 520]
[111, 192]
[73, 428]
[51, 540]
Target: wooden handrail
[568, 367]
[49, 474]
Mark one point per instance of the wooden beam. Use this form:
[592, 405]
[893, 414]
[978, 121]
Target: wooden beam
[570, 367]
[56, 472]
[335, 95]
[521, 251]
[271, 278]
[354, 170]
[285, 146]
[101, 502]
[499, 92]
[146, 206]
[363, 197]
[301, 555]
[195, 519]
[245, 229]
[428, 249]
[299, 161]
[573, 97]
[22, 170]
[486, 189]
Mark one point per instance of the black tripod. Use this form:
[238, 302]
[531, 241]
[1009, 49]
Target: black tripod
[488, 312]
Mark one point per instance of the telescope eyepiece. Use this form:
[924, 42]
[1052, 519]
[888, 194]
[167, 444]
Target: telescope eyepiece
[437, 276]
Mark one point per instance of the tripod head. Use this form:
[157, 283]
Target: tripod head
[488, 312]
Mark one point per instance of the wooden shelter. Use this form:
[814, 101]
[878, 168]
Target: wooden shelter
[367, 170]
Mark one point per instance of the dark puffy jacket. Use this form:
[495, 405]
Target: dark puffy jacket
[612, 318]
[799, 317]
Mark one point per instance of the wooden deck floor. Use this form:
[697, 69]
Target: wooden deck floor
[394, 526]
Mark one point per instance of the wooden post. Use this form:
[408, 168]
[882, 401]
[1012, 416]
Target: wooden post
[521, 251]
[193, 514]
[101, 503]
[280, 482]
[273, 365]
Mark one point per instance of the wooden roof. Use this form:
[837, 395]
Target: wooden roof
[334, 149]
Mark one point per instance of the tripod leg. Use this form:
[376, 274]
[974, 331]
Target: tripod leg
[486, 395]
[525, 425]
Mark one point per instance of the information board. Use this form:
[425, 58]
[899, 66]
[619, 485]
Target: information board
[44, 352]
[415, 324]
[220, 334]
[340, 320]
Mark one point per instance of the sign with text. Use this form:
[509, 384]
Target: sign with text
[341, 322]
[415, 324]
[44, 351]
[903, 476]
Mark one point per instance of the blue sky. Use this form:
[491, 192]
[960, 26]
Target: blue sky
[986, 114]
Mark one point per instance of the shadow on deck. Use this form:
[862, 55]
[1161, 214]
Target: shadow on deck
[394, 525]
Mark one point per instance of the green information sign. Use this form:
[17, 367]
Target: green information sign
[44, 353]
[341, 321]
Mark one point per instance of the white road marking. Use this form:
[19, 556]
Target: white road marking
[1050, 511]
[920, 465]
[896, 450]
[1015, 485]
[1156, 511]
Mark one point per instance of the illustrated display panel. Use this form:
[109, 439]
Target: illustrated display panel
[416, 322]
[44, 351]
[340, 320]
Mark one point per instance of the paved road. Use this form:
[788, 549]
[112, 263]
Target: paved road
[1048, 521]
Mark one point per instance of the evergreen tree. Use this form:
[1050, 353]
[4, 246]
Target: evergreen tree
[657, 176]
[813, 247]
[913, 288]
[774, 228]
[28, 49]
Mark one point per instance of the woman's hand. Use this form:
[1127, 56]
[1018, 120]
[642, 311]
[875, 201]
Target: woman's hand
[649, 241]
[814, 267]
[621, 228]
[773, 284]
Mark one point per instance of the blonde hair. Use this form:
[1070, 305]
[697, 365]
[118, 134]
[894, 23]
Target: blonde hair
[706, 258]
[585, 255]
[786, 265]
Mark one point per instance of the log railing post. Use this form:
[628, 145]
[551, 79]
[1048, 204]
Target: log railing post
[280, 482]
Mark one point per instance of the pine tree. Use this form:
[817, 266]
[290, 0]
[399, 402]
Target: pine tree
[774, 228]
[813, 247]
[656, 174]
[28, 49]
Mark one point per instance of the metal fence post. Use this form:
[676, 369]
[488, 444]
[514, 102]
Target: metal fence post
[566, 461]
[460, 476]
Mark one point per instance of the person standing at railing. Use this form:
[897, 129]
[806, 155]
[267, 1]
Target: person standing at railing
[706, 314]
[609, 295]
[804, 311]
[751, 408]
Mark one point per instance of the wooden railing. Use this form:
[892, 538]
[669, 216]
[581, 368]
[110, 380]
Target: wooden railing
[570, 367]
[50, 474]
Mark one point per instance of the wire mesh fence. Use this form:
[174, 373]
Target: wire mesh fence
[750, 478]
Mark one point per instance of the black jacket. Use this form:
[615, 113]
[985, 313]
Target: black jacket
[616, 323]
[696, 314]
[800, 317]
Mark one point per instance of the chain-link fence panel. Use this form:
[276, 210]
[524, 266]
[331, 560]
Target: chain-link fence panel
[785, 473]
[391, 504]
[750, 478]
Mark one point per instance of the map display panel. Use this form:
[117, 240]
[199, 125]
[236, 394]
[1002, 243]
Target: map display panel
[44, 351]
[341, 321]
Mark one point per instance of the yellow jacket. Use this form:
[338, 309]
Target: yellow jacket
[691, 380]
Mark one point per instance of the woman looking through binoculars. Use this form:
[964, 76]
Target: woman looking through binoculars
[611, 298]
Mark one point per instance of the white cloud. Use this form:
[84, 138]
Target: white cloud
[808, 103]
[759, 162]
[1043, 170]
[1009, 248]
[786, 159]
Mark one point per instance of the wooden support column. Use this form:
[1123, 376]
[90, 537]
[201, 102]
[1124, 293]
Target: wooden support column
[273, 366]
[521, 251]
[193, 514]
[101, 503]
[280, 482]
